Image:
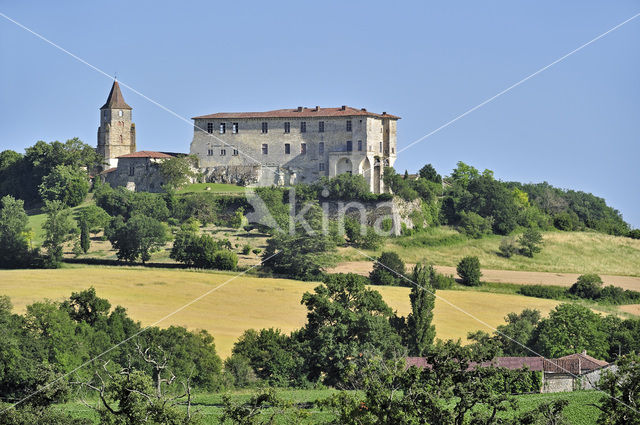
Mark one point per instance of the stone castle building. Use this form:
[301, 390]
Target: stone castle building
[289, 146]
[116, 134]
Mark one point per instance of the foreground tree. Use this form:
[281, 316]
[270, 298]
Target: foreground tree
[620, 406]
[345, 320]
[300, 255]
[178, 171]
[388, 270]
[14, 248]
[469, 271]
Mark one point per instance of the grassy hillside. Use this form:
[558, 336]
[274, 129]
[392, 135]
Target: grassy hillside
[580, 410]
[563, 252]
[245, 302]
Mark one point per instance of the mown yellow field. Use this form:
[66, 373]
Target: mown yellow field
[239, 303]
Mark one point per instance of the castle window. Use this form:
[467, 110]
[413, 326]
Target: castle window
[265, 148]
[349, 145]
[234, 128]
[287, 148]
[119, 113]
[321, 148]
[321, 126]
[348, 125]
[380, 146]
[265, 127]
[393, 150]
[321, 166]
[303, 127]
[209, 127]
[210, 152]
[132, 170]
[303, 148]
[359, 145]
[223, 128]
[235, 152]
[223, 152]
[287, 127]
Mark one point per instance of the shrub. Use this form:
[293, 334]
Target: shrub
[588, 286]
[256, 251]
[508, 247]
[442, 282]
[567, 221]
[246, 249]
[544, 291]
[225, 260]
[473, 225]
[530, 242]
[469, 271]
[381, 275]
[634, 234]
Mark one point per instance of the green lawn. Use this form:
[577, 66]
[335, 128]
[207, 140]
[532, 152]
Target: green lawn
[578, 412]
[213, 187]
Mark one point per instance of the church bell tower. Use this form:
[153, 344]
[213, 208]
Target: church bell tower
[116, 134]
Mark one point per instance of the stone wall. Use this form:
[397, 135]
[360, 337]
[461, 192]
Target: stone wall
[137, 175]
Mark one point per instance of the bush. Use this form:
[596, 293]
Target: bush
[469, 271]
[256, 250]
[225, 260]
[246, 249]
[530, 242]
[473, 225]
[442, 282]
[508, 247]
[588, 286]
[634, 234]
[381, 275]
[567, 221]
[544, 291]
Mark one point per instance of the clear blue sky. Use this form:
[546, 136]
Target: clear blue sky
[576, 125]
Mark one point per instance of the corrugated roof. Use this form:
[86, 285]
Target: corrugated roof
[115, 99]
[300, 112]
[146, 154]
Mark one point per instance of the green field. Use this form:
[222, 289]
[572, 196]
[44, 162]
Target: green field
[580, 410]
[212, 187]
[563, 252]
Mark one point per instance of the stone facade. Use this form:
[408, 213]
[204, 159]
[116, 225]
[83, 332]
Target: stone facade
[290, 146]
[116, 134]
[138, 172]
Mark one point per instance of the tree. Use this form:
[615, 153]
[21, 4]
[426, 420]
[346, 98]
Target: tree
[65, 184]
[516, 334]
[491, 198]
[137, 238]
[570, 329]
[86, 306]
[345, 320]
[271, 355]
[469, 271]
[473, 225]
[14, 249]
[619, 406]
[508, 247]
[429, 173]
[417, 330]
[588, 286]
[178, 171]
[530, 242]
[85, 240]
[388, 270]
[58, 228]
[300, 255]
[95, 217]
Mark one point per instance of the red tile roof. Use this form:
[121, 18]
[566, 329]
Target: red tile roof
[146, 154]
[586, 361]
[115, 99]
[344, 111]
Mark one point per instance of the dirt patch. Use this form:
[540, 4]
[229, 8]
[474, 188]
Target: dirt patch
[505, 276]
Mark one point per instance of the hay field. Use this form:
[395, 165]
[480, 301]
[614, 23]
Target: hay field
[563, 252]
[242, 303]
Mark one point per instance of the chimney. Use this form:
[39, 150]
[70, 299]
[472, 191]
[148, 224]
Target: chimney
[343, 107]
[317, 108]
[363, 109]
[384, 113]
[299, 109]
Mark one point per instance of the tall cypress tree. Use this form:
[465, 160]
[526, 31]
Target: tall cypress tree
[85, 241]
[420, 332]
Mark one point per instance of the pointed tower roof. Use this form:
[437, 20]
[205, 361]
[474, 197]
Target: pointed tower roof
[115, 99]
